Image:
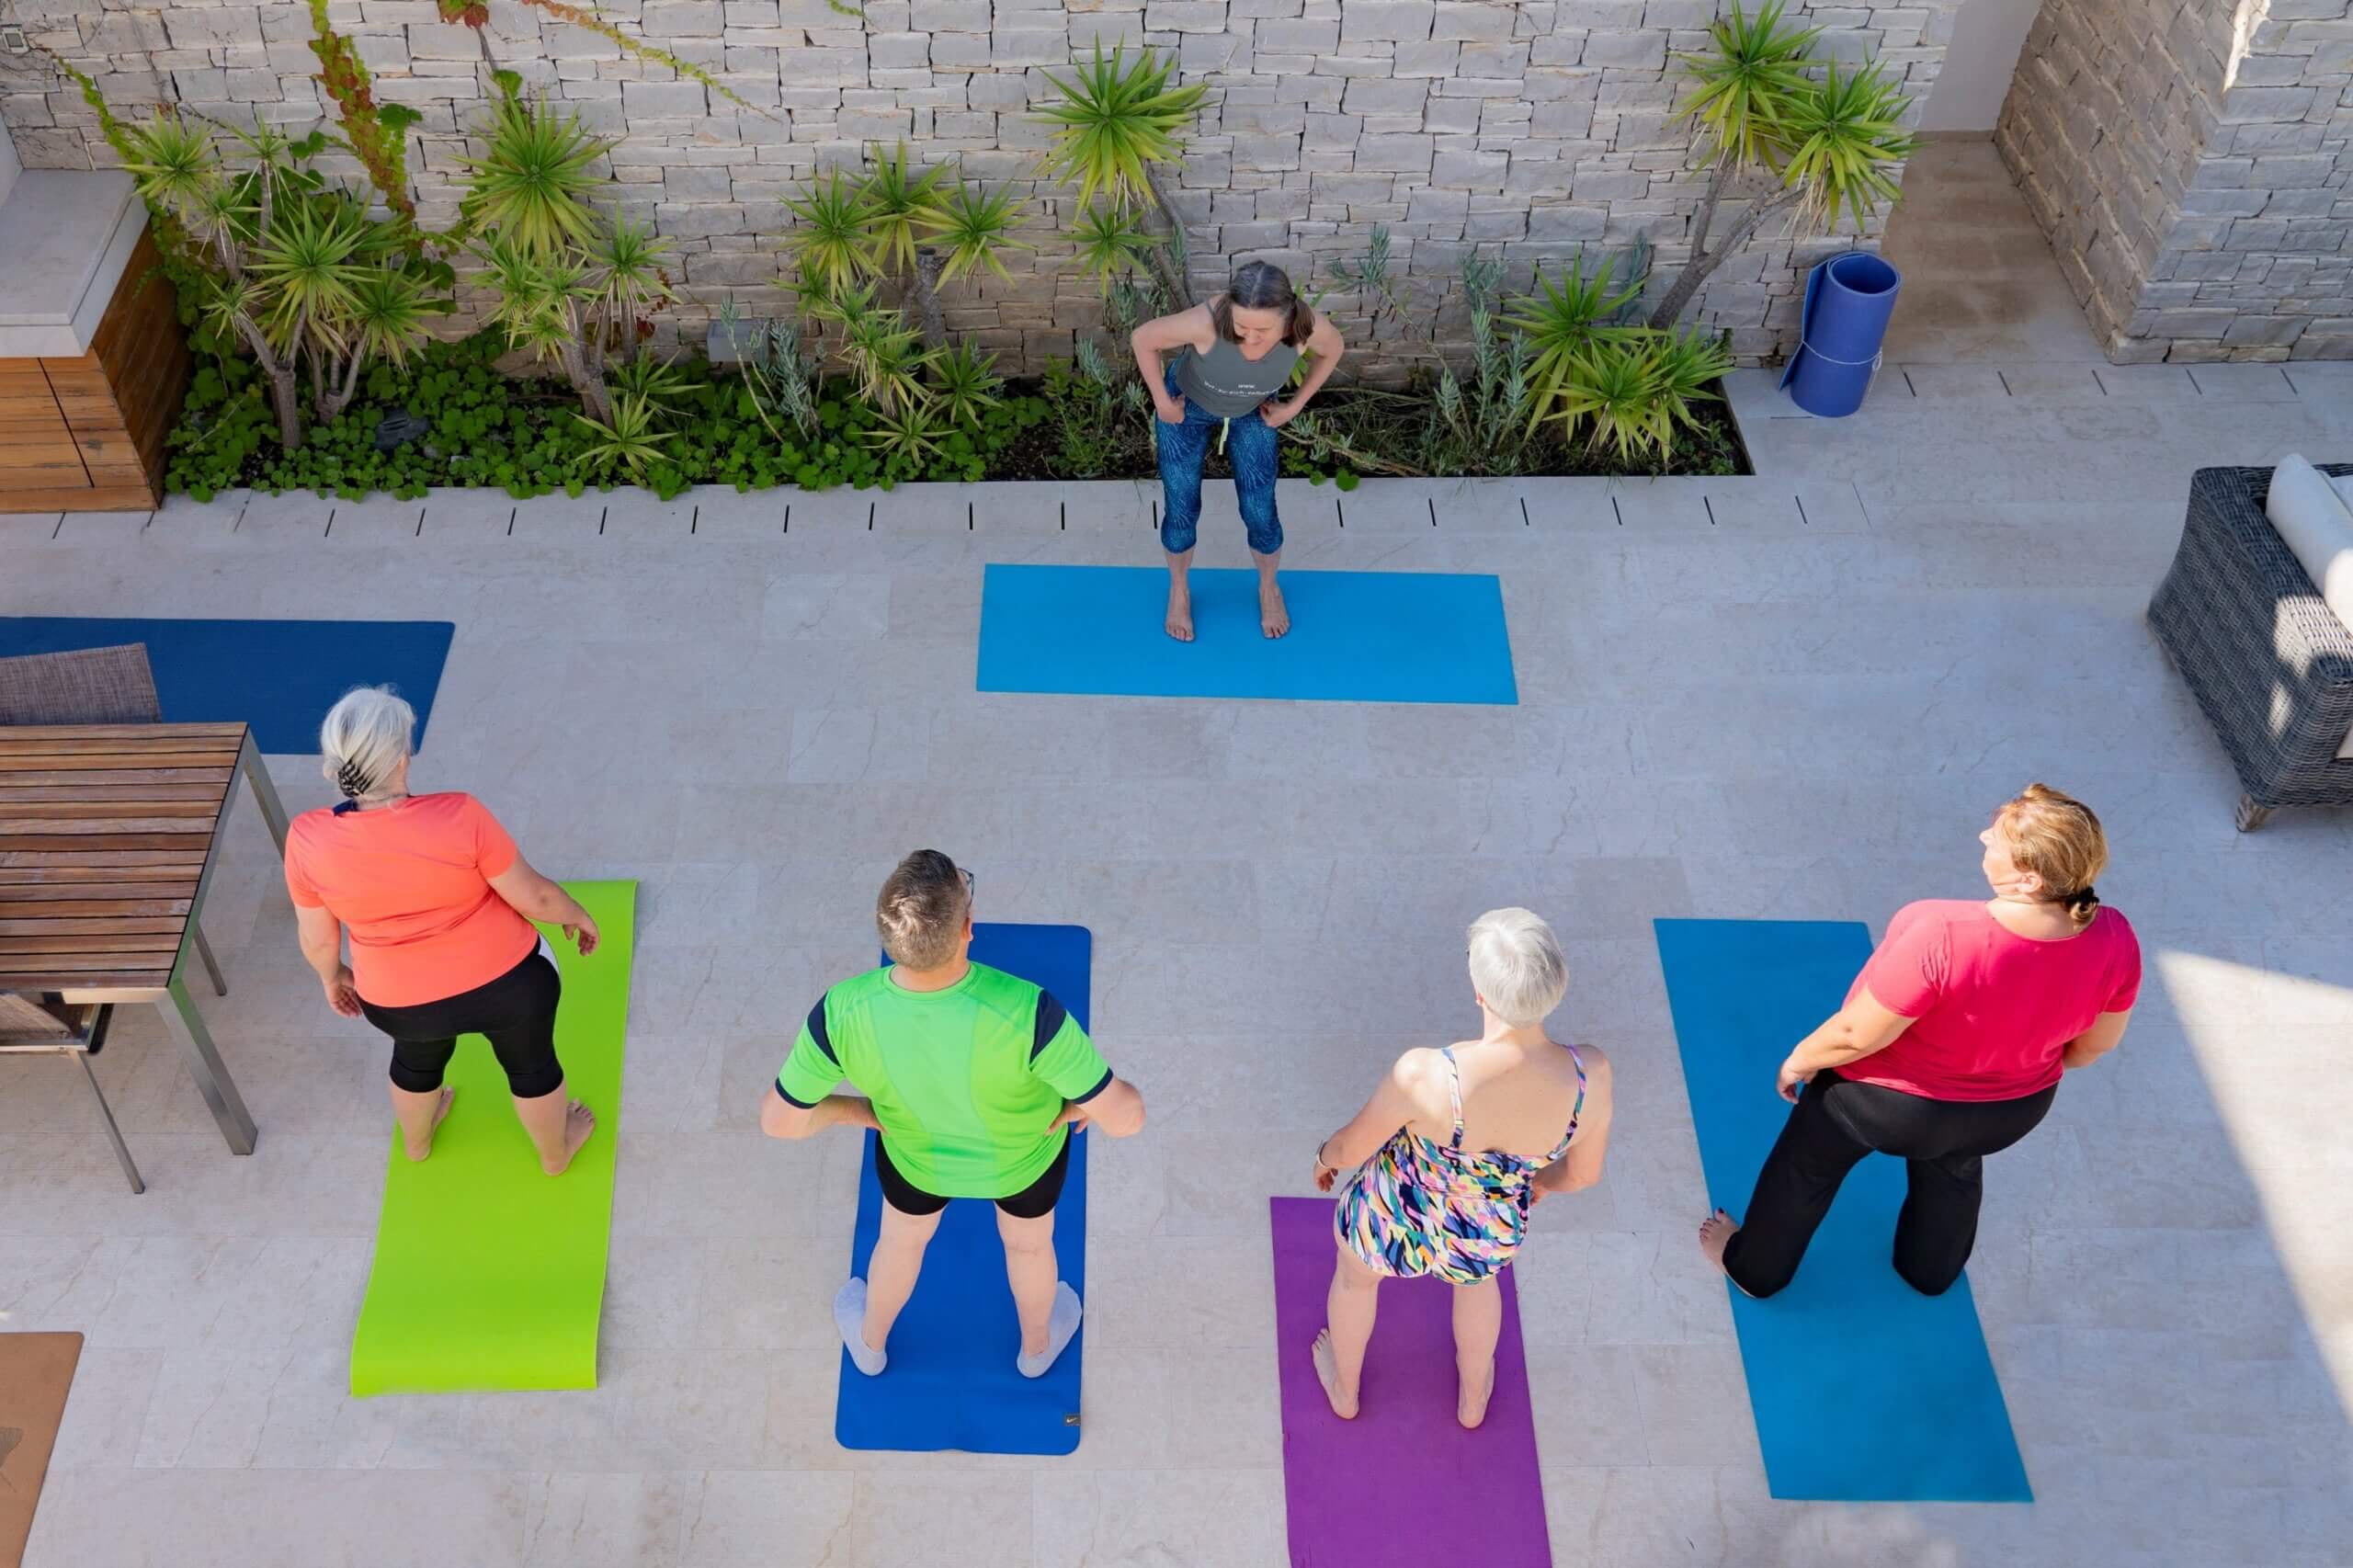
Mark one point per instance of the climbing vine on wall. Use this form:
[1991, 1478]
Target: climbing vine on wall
[378, 135]
[474, 14]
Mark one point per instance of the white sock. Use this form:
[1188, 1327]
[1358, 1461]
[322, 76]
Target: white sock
[1060, 1324]
[849, 1316]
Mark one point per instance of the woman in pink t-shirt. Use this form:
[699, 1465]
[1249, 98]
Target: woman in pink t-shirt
[1949, 1048]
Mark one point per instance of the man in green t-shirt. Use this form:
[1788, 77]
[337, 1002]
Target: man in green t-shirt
[975, 1080]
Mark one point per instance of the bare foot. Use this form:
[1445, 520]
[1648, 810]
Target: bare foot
[440, 1115]
[1180, 612]
[579, 1122]
[1328, 1373]
[1715, 1233]
[1274, 616]
[1471, 1411]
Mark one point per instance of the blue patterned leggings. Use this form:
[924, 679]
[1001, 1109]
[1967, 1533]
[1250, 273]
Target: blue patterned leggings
[1254, 451]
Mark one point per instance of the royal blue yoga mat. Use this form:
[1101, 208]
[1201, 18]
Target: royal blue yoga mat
[1864, 1390]
[950, 1382]
[1355, 636]
[280, 676]
[1848, 301]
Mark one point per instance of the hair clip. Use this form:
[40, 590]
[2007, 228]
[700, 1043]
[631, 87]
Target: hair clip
[351, 780]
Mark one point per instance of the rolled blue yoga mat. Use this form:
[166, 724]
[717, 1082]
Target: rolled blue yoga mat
[278, 677]
[1355, 636]
[1864, 1390]
[951, 1383]
[1848, 301]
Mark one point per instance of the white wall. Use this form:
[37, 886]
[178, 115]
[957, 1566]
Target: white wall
[1975, 76]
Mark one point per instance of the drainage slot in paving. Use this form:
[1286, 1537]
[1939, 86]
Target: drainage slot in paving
[1061, 516]
[1524, 520]
[1339, 511]
[330, 527]
[694, 521]
[1432, 502]
[1711, 507]
[510, 520]
[1804, 521]
[1615, 513]
[418, 533]
[870, 516]
[602, 514]
[968, 517]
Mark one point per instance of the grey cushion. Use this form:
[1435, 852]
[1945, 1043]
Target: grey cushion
[89, 686]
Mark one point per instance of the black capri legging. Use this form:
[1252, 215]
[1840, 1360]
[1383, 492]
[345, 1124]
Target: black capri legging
[517, 1011]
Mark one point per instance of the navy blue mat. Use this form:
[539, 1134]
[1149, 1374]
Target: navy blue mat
[950, 1382]
[278, 677]
[1864, 1390]
[1355, 637]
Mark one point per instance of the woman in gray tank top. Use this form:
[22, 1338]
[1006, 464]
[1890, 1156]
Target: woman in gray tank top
[1233, 356]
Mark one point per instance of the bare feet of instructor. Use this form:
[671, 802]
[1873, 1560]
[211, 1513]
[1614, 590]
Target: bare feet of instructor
[1274, 616]
[440, 1113]
[1180, 611]
[1715, 1233]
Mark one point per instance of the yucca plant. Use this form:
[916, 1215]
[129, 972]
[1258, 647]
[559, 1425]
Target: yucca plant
[879, 347]
[909, 436]
[542, 304]
[390, 304]
[974, 230]
[1110, 241]
[535, 182]
[627, 282]
[902, 208]
[966, 382]
[629, 439]
[661, 385]
[1116, 127]
[1632, 392]
[1826, 141]
[828, 249]
[1562, 319]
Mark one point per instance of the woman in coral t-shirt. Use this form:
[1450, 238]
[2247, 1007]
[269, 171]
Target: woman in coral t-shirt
[439, 907]
[1949, 1048]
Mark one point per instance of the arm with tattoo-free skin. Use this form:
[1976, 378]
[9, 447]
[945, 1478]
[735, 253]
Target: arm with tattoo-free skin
[1324, 344]
[1166, 334]
[1862, 1027]
[1402, 1098]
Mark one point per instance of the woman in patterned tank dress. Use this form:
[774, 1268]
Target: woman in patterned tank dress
[1235, 356]
[1437, 1173]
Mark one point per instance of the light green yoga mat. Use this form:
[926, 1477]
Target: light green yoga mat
[490, 1274]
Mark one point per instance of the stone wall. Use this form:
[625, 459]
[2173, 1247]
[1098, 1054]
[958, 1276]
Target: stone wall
[1525, 132]
[2189, 159]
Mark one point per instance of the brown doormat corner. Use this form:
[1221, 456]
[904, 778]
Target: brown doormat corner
[36, 1370]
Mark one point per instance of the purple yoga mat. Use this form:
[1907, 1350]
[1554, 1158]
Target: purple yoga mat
[1402, 1483]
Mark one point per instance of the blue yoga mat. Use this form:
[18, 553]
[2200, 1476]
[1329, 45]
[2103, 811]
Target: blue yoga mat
[1848, 301]
[1864, 1390]
[950, 1382]
[1355, 636]
[280, 676]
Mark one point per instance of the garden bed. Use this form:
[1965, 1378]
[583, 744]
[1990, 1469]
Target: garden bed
[472, 424]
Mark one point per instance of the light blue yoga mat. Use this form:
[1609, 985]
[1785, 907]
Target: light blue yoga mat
[1355, 636]
[280, 676]
[950, 1382]
[1864, 1390]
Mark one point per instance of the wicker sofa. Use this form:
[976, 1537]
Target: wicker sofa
[2244, 624]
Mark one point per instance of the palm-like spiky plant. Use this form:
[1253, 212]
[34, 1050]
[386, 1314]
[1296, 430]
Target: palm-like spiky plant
[909, 436]
[879, 347]
[176, 167]
[541, 303]
[628, 282]
[829, 248]
[629, 439]
[966, 382]
[534, 183]
[1631, 392]
[310, 264]
[1110, 241]
[1828, 141]
[900, 207]
[1116, 127]
[975, 228]
[1561, 320]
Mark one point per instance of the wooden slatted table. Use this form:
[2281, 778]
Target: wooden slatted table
[109, 837]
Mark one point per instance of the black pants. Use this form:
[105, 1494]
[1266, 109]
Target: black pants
[516, 1012]
[1836, 1122]
[1032, 1202]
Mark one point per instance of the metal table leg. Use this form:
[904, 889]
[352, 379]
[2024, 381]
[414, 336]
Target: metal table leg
[178, 1009]
[273, 814]
[211, 964]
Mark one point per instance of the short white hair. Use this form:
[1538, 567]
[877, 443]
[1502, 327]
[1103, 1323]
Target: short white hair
[369, 732]
[1516, 964]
